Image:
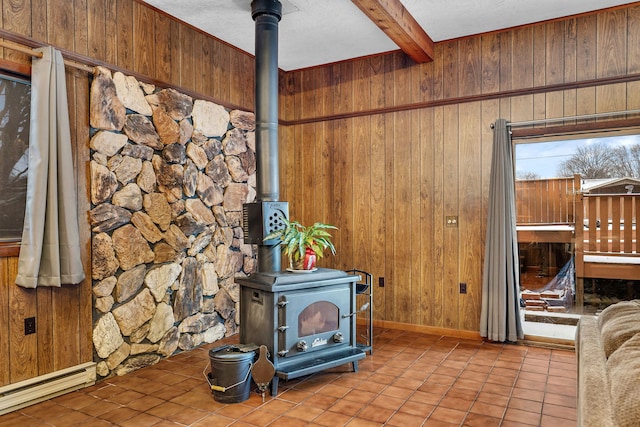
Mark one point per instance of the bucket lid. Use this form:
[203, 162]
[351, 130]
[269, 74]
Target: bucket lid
[230, 353]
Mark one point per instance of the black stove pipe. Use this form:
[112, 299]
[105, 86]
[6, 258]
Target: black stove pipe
[267, 14]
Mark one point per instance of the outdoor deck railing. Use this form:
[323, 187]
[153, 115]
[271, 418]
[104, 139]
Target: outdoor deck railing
[546, 201]
[609, 225]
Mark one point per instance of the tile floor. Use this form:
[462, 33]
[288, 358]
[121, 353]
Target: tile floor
[412, 379]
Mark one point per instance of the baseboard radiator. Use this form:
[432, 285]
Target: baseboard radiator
[34, 390]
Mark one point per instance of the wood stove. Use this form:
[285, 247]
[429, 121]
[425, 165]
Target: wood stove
[307, 321]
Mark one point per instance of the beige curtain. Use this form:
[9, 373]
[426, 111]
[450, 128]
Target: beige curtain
[500, 314]
[50, 250]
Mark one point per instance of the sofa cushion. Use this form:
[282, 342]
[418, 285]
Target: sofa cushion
[618, 323]
[594, 406]
[624, 370]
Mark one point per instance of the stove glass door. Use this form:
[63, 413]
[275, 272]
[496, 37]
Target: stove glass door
[313, 319]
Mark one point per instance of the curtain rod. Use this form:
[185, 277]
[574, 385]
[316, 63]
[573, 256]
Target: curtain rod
[582, 117]
[27, 50]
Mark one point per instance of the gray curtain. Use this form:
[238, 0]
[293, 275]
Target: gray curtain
[50, 249]
[500, 315]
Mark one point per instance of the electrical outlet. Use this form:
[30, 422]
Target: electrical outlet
[381, 282]
[30, 325]
[452, 221]
[463, 288]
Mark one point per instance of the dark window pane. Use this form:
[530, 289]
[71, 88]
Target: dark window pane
[15, 96]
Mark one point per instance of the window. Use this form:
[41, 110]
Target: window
[547, 201]
[15, 97]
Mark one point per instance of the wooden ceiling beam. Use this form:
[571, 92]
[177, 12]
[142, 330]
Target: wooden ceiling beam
[401, 27]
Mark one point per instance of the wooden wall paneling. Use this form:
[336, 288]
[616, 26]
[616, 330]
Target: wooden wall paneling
[175, 55]
[554, 67]
[162, 48]
[223, 59]
[343, 196]
[342, 79]
[451, 68]
[61, 17]
[247, 83]
[522, 72]
[308, 145]
[425, 216]
[362, 186]
[39, 21]
[112, 33]
[521, 108]
[81, 27]
[81, 155]
[633, 100]
[422, 211]
[414, 203]
[611, 43]
[490, 112]
[439, 188]
[611, 98]
[188, 60]
[378, 196]
[288, 145]
[451, 193]
[143, 39]
[539, 46]
[633, 40]
[438, 215]
[22, 348]
[555, 52]
[125, 31]
[405, 244]
[296, 193]
[286, 137]
[612, 59]
[44, 330]
[308, 173]
[309, 180]
[570, 61]
[96, 28]
[470, 77]
[5, 354]
[539, 71]
[490, 57]
[470, 225]
[506, 69]
[416, 277]
[200, 62]
[326, 154]
[237, 83]
[16, 17]
[389, 206]
[520, 53]
[437, 77]
[66, 315]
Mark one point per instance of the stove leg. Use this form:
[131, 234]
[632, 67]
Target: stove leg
[355, 366]
[274, 386]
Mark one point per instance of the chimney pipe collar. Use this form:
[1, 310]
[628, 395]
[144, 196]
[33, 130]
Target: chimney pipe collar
[266, 7]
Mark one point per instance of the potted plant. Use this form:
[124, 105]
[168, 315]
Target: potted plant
[303, 245]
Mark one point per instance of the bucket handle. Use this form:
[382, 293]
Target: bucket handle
[222, 388]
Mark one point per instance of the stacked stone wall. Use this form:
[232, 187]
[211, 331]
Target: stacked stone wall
[169, 176]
